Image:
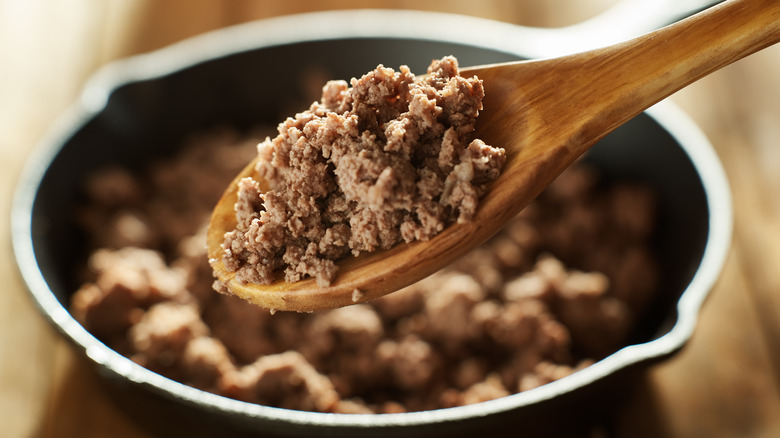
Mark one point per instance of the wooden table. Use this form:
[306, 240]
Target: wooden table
[725, 383]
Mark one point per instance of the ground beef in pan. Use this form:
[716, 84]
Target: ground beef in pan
[561, 286]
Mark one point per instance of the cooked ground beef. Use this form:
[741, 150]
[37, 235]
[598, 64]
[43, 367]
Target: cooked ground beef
[385, 159]
[561, 286]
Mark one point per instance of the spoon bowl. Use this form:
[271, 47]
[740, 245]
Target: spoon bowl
[545, 114]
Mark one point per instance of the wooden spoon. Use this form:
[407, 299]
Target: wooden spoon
[545, 114]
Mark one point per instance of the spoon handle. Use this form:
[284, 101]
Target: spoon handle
[565, 105]
[606, 87]
[549, 112]
[632, 76]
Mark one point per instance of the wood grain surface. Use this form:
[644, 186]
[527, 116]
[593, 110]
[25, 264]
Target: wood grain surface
[725, 383]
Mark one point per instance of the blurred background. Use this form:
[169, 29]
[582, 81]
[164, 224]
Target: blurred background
[726, 382]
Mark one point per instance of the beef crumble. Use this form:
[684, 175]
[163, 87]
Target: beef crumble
[385, 159]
